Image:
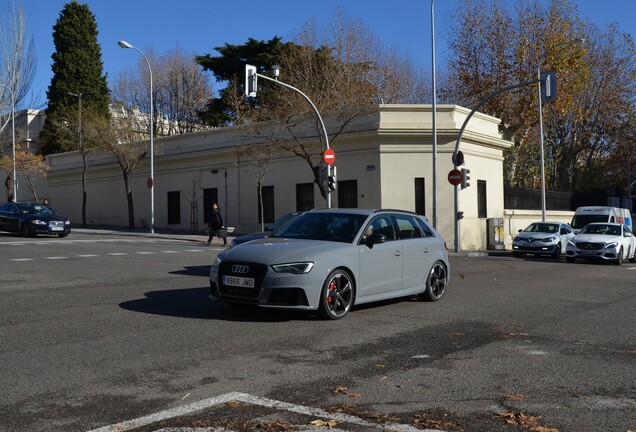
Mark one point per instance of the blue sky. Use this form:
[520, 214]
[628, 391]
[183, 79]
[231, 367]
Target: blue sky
[200, 25]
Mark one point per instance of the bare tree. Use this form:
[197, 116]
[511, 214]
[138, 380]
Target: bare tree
[180, 91]
[116, 138]
[255, 160]
[17, 71]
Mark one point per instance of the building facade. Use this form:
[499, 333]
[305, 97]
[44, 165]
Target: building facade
[383, 160]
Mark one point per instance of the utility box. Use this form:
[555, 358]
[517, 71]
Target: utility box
[495, 233]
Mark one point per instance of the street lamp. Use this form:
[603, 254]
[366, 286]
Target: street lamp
[577, 41]
[434, 117]
[15, 179]
[151, 180]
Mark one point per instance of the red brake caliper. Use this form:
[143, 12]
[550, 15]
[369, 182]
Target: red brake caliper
[332, 288]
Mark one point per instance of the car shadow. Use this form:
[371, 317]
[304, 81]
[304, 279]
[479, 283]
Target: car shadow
[195, 303]
[203, 271]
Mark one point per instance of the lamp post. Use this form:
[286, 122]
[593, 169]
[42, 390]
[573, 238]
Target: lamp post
[151, 180]
[15, 179]
[434, 117]
[544, 57]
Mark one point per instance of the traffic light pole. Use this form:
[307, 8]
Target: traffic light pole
[459, 137]
[322, 124]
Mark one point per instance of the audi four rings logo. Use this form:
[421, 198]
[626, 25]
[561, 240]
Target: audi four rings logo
[240, 269]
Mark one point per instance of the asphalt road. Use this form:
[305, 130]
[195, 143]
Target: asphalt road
[97, 330]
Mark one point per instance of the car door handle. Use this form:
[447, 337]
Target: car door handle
[397, 253]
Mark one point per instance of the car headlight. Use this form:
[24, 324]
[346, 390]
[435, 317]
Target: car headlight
[611, 245]
[548, 239]
[294, 268]
[571, 242]
[217, 262]
[67, 222]
[516, 238]
[38, 222]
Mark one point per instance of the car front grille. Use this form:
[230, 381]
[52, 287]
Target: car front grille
[56, 224]
[589, 246]
[244, 270]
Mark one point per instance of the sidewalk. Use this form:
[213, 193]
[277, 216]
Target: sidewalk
[199, 237]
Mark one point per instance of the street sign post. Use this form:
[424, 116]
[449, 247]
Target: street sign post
[329, 156]
[455, 177]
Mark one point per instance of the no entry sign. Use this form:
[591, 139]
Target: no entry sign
[329, 156]
[455, 177]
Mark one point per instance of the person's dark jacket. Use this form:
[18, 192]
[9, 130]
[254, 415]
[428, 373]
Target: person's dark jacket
[216, 220]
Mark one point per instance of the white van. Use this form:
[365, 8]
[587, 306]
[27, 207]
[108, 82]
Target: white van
[585, 215]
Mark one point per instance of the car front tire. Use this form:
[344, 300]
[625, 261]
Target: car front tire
[557, 252]
[337, 295]
[436, 283]
[619, 258]
[26, 230]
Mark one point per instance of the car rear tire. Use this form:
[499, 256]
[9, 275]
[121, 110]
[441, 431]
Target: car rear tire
[436, 282]
[337, 295]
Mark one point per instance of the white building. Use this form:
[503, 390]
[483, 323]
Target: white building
[383, 160]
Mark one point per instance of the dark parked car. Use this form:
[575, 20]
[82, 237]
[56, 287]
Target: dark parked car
[31, 219]
[280, 222]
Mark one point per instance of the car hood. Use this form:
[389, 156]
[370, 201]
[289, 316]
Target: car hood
[535, 235]
[43, 217]
[252, 236]
[596, 238]
[282, 250]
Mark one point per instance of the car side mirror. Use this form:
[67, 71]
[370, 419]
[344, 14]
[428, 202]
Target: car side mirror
[374, 239]
[520, 230]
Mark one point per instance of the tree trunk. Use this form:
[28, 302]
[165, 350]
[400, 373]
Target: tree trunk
[129, 199]
[84, 169]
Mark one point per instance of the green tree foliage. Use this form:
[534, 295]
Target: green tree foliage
[77, 68]
[586, 128]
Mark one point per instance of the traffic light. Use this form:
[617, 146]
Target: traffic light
[548, 86]
[465, 178]
[332, 183]
[251, 78]
[320, 176]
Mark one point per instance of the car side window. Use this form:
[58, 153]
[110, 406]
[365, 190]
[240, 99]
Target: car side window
[407, 227]
[428, 232]
[381, 225]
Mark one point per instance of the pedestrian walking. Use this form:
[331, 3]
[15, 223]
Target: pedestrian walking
[216, 226]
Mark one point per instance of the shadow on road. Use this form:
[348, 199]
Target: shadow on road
[195, 303]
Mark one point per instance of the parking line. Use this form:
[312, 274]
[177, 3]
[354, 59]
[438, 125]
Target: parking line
[255, 400]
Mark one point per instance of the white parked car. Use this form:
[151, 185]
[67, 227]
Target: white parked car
[603, 241]
[549, 238]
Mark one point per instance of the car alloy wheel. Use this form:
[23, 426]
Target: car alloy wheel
[336, 298]
[619, 258]
[436, 282]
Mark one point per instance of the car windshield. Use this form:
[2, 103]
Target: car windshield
[601, 229]
[339, 227]
[542, 227]
[32, 208]
[281, 221]
[579, 221]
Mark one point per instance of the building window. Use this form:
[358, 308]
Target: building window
[210, 196]
[304, 196]
[348, 194]
[174, 208]
[482, 211]
[420, 197]
[268, 204]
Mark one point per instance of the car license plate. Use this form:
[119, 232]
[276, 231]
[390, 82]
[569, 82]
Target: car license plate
[238, 281]
[57, 228]
[588, 252]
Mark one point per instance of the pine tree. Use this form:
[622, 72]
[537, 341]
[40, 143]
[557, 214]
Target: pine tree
[77, 68]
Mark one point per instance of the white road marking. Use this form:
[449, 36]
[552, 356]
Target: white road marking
[56, 258]
[87, 256]
[21, 259]
[117, 254]
[169, 251]
[145, 253]
[255, 400]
